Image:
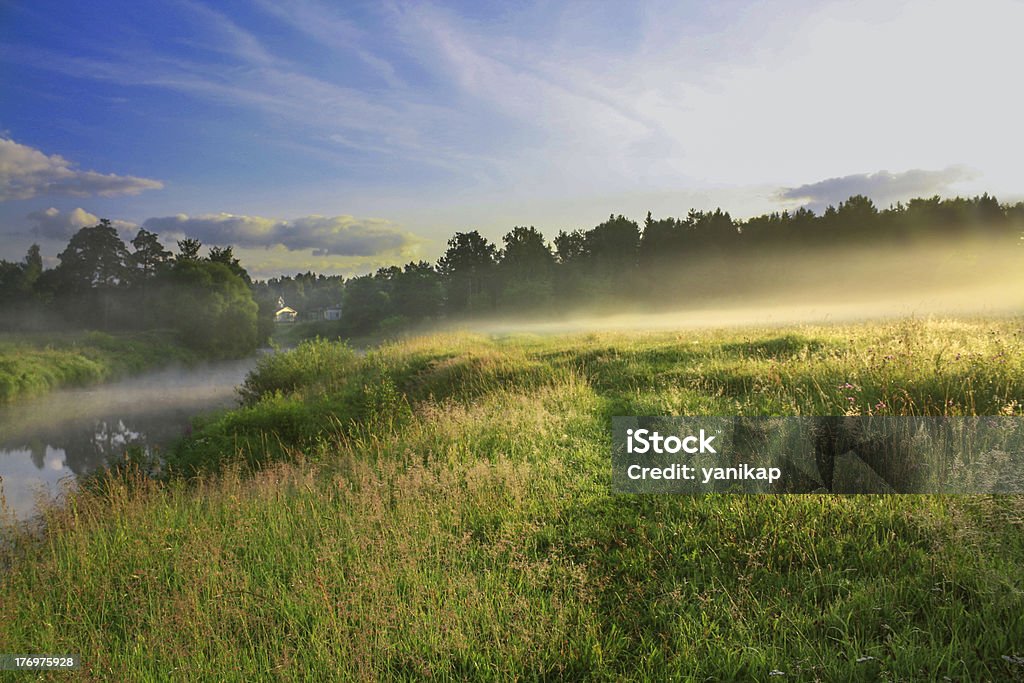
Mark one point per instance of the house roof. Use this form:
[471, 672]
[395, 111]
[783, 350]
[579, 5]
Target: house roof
[286, 309]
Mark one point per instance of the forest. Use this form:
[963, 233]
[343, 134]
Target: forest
[212, 305]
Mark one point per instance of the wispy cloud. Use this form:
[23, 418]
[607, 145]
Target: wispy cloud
[551, 125]
[321, 23]
[26, 172]
[756, 94]
[883, 187]
[316, 235]
[393, 121]
[576, 100]
[231, 38]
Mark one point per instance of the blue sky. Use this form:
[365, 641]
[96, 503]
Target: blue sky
[342, 136]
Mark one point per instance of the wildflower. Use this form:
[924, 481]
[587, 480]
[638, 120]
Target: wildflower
[880, 405]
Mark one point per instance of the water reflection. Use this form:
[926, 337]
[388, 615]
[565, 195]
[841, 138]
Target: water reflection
[63, 435]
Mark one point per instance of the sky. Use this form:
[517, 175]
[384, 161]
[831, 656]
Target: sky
[342, 136]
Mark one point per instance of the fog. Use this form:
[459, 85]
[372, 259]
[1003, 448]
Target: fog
[48, 441]
[966, 278]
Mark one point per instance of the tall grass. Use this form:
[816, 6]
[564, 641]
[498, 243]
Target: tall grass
[440, 507]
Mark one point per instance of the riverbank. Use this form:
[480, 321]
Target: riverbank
[50, 441]
[440, 507]
[290, 335]
[33, 364]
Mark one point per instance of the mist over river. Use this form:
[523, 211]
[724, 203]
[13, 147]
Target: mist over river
[46, 442]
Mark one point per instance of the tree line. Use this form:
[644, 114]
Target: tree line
[212, 304]
[101, 283]
[665, 262]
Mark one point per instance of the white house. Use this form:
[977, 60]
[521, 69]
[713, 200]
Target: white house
[285, 314]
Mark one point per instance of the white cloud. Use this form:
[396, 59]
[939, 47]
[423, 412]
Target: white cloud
[883, 187]
[266, 263]
[26, 172]
[346, 236]
[266, 246]
[54, 224]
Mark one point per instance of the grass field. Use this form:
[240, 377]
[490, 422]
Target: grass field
[441, 507]
[32, 364]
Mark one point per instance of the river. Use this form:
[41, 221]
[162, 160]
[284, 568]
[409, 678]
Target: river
[49, 441]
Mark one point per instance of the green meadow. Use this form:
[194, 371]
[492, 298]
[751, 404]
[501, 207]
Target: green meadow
[32, 364]
[440, 507]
